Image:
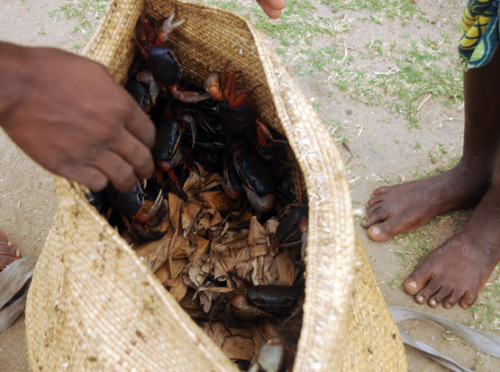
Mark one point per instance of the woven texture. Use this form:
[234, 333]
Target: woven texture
[93, 306]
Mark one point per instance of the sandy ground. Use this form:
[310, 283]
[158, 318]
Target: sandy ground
[376, 151]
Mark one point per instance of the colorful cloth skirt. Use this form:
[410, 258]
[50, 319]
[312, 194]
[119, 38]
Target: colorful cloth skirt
[481, 35]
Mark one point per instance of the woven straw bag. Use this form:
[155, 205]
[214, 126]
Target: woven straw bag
[93, 305]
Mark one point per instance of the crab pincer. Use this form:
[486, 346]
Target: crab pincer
[140, 215]
[160, 60]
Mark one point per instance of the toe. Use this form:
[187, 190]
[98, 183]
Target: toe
[373, 215]
[439, 296]
[380, 232]
[379, 191]
[452, 299]
[468, 299]
[411, 286]
[374, 200]
[431, 288]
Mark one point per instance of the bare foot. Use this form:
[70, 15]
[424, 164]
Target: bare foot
[8, 253]
[403, 208]
[457, 270]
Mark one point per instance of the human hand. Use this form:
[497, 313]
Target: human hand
[272, 8]
[70, 116]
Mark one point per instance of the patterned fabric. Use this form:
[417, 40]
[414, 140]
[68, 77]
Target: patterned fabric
[480, 33]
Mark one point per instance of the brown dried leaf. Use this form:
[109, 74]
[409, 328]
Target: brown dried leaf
[257, 239]
[205, 298]
[212, 181]
[258, 271]
[244, 270]
[198, 272]
[240, 219]
[200, 248]
[215, 289]
[271, 225]
[209, 219]
[176, 288]
[180, 247]
[155, 253]
[189, 215]
[239, 347]
[287, 271]
[227, 263]
[218, 272]
[215, 199]
[216, 331]
[177, 267]
[191, 306]
[174, 208]
[162, 274]
[192, 185]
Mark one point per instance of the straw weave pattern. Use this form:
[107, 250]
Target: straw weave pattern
[92, 305]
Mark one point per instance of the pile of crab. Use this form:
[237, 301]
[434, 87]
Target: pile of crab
[219, 223]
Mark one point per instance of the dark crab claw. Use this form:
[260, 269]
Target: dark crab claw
[167, 26]
[271, 357]
[261, 203]
[188, 120]
[157, 204]
[146, 77]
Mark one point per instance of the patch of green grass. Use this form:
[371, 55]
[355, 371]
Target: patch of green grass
[85, 12]
[333, 127]
[400, 9]
[415, 246]
[397, 281]
[485, 310]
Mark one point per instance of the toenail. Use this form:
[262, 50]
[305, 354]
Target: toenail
[420, 299]
[376, 231]
[432, 302]
[413, 284]
[447, 305]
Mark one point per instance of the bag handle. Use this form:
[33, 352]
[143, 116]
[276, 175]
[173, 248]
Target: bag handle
[12, 279]
[481, 341]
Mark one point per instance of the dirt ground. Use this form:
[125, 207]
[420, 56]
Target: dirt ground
[377, 151]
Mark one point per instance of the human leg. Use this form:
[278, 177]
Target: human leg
[403, 208]
[457, 270]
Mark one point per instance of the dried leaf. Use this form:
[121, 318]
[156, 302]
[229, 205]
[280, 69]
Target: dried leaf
[200, 249]
[257, 239]
[216, 331]
[154, 254]
[189, 215]
[162, 274]
[215, 289]
[177, 267]
[271, 225]
[192, 185]
[174, 208]
[244, 270]
[205, 298]
[240, 219]
[176, 288]
[287, 271]
[215, 199]
[198, 272]
[239, 347]
[191, 306]
[209, 219]
[181, 248]
[218, 272]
